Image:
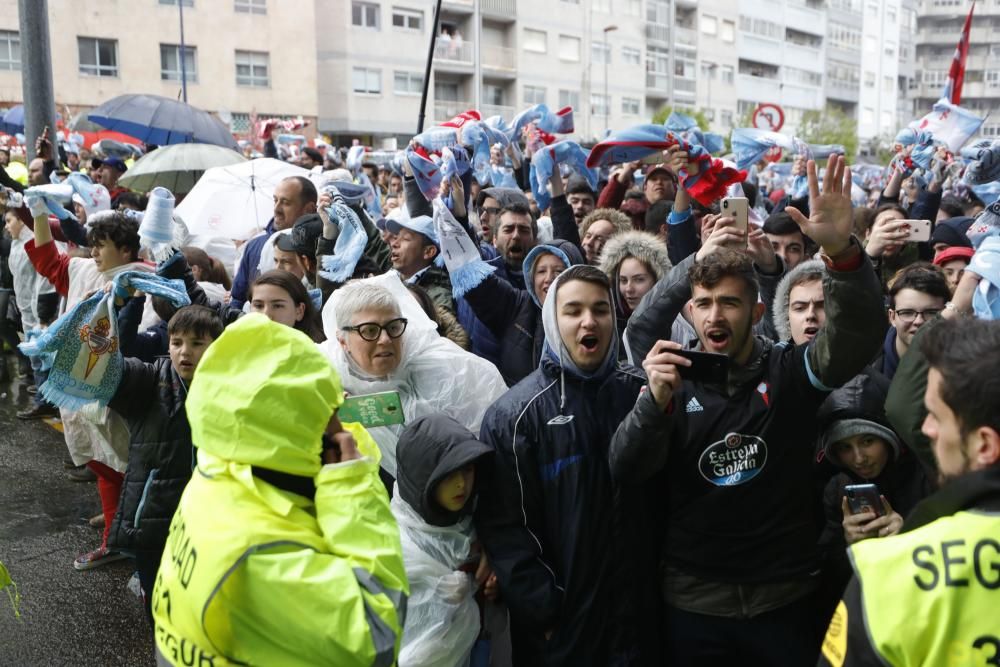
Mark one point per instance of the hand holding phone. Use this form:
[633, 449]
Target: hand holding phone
[738, 208]
[662, 366]
[917, 230]
[867, 514]
[706, 367]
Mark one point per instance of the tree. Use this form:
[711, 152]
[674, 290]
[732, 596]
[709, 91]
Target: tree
[660, 117]
[830, 126]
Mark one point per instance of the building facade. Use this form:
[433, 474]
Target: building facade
[938, 27]
[356, 68]
[241, 56]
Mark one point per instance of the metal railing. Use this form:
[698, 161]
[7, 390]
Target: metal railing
[657, 32]
[451, 51]
[507, 8]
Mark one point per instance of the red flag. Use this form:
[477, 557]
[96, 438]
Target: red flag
[956, 75]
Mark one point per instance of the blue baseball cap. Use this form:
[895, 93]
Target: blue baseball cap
[421, 224]
[112, 161]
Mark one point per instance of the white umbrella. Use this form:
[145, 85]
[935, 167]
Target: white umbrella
[177, 167]
[235, 202]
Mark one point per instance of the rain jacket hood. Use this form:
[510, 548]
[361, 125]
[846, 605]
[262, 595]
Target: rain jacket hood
[430, 449]
[782, 294]
[564, 250]
[240, 390]
[555, 349]
[855, 408]
[643, 246]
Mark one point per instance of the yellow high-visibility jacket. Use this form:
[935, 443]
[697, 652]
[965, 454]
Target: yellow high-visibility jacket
[253, 574]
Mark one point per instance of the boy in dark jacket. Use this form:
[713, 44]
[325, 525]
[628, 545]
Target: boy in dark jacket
[150, 397]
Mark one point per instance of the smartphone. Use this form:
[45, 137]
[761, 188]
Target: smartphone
[918, 230]
[738, 208]
[864, 498]
[372, 410]
[706, 367]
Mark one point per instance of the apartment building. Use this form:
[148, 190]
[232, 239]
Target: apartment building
[939, 25]
[879, 69]
[719, 62]
[240, 56]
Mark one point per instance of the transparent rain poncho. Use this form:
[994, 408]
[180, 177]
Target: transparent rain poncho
[442, 617]
[434, 374]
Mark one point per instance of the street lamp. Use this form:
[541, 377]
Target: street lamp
[711, 67]
[607, 60]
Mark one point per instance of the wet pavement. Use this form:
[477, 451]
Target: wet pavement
[67, 617]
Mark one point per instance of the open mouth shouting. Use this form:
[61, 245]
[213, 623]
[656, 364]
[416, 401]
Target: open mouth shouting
[717, 339]
[810, 332]
[590, 343]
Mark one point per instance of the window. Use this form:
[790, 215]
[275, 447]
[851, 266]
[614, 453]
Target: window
[992, 78]
[534, 95]
[658, 12]
[252, 68]
[633, 7]
[536, 40]
[250, 6]
[843, 36]
[366, 80]
[631, 55]
[407, 83]
[170, 63]
[599, 105]
[761, 27]
[743, 107]
[709, 25]
[600, 53]
[410, 19]
[869, 79]
[365, 14]
[569, 48]
[890, 50]
[888, 85]
[728, 31]
[890, 15]
[569, 98]
[10, 50]
[871, 44]
[873, 9]
[494, 94]
[727, 118]
[795, 75]
[630, 106]
[98, 57]
[727, 74]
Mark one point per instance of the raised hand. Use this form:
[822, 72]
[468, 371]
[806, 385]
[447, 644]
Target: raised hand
[830, 221]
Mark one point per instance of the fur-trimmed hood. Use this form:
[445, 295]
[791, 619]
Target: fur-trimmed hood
[645, 247]
[783, 293]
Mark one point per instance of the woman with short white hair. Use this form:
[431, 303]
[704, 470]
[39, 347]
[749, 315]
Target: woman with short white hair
[380, 339]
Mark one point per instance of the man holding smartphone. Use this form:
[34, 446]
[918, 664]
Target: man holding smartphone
[741, 557]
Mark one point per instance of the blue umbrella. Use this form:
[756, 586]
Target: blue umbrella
[162, 121]
[13, 120]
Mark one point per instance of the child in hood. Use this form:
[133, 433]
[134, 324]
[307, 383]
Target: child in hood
[438, 462]
[857, 439]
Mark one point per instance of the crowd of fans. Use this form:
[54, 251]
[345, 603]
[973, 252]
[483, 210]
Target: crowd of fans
[573, 480]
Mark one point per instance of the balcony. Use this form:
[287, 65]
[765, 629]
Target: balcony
[657, 32]
[445, 110]
[464, 7]
[504, 10]
[760, 49]
[804, 57]
[502, 59]
[804, 19]
[950, 35]
[758, 89]
[658, 85]
[801, 96]
[686, 36]
[842, 90]
[452, 57]
[488, 110]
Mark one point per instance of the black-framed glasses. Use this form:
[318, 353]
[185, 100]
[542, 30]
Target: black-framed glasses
[909, 315]
[492, 210]
[372, 331]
